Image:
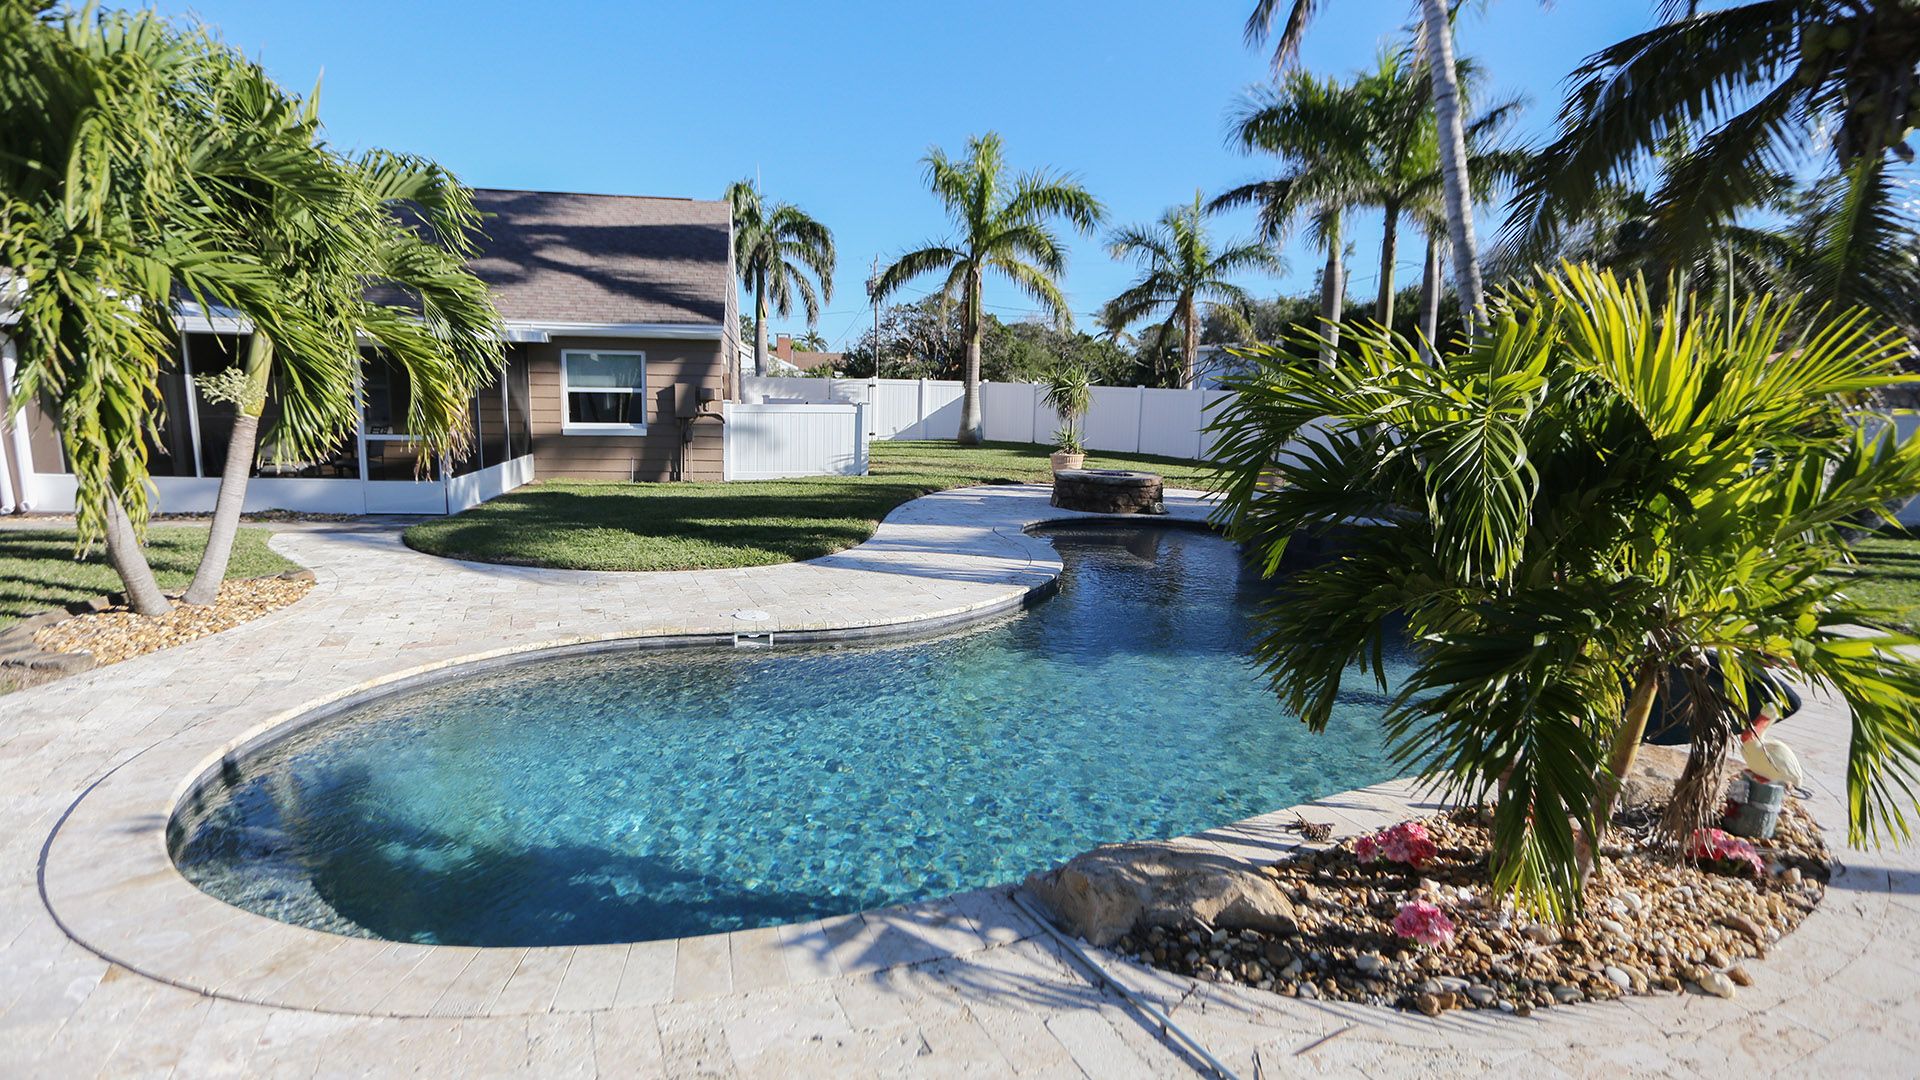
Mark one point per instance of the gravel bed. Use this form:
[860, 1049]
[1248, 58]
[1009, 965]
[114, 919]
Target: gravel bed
[1652, 925]
[117, 634]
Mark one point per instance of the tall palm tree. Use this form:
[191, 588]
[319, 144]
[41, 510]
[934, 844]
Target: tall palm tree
[776, 246]
[1436, 40]
[1002, 224]
[1770, 88]
[1403, 152]
[1180, 271]
[1562, 511]
[1318, 128]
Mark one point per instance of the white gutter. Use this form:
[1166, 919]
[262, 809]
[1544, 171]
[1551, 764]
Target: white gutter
[541, 331]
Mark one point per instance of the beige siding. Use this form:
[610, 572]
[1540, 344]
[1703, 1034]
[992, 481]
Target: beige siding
[652, 456]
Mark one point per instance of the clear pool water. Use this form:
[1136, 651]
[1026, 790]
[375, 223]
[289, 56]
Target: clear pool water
[656, 794]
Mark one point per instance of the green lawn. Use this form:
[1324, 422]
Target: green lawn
[38, 570]
[584, 525]
[1889, 574]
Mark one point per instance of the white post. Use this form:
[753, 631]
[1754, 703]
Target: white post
[920, 412]
[193, 407]
[860, 447]
[1139, 417]
[22, 456]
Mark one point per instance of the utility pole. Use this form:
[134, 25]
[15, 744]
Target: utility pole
[873, 279]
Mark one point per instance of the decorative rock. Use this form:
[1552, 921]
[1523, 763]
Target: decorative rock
[1618, 977]
[1369, 963]
[1481, 996]
[1112, 890]
[1739, 976]
[1428, 1004]
[1713, 982]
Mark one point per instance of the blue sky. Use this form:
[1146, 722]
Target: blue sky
[834, 104]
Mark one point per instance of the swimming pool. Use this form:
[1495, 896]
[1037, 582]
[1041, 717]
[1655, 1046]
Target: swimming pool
[650, 794]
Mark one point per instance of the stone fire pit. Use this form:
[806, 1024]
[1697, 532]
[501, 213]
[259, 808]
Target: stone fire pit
[1108, 491]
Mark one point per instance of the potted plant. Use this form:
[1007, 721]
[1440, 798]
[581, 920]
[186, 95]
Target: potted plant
[1069, 393]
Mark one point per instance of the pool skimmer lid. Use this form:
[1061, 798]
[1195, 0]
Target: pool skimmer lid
[751, 615]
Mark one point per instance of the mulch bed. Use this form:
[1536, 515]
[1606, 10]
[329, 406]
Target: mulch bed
[1653, 924]
[117, 634]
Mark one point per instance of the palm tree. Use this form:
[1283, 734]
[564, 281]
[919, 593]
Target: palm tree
[1002, 225]
[1770, 88]
[193, 173]
[1318, 128]
[1403, 152]
[434, 320]
[1565, 511]
[811, 341]
[1436, 39]
[776, 246]
[1181, 270]
[98, 230]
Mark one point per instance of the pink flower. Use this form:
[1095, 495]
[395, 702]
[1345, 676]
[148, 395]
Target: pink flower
[1367, 848]
[1424, 923]
[1407, 842]
[1715, 845]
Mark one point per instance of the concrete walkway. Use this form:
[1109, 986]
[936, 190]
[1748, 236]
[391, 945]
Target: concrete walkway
[111, 965]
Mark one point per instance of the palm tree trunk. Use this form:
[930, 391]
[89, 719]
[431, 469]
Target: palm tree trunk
[127, 560]
[1620, 759]
[760, 326]
[1389, 245]
[233, 476]
[969, 434]
[1189, 344]
[1430, 288]
[1333, 292]
[1453, 157]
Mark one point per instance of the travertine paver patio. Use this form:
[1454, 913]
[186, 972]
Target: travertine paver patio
[965, 986]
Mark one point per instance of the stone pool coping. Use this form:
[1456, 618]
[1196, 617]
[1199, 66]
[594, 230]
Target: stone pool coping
[108, 879]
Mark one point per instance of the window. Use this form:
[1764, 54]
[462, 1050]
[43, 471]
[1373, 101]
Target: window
[605, 391]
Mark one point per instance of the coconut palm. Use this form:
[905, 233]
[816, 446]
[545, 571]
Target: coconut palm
[1770, 88]
[1319, 129]
[1594, 491]
[776, 246]
[1436, 40]
[1002, 224]
[1181, 270]
[1404, 174]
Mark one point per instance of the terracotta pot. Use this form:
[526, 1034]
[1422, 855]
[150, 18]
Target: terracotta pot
[1063, 460]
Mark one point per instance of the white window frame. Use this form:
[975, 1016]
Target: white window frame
[569, 426]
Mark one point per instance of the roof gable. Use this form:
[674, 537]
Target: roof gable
[550, 256]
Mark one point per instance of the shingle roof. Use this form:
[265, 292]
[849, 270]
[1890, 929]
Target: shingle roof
[807, 360]
[552, 256]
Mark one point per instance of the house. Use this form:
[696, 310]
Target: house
[806, 359]
[620, 322]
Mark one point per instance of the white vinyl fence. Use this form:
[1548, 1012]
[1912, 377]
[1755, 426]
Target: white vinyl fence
[766, 441]
[1123, 419]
